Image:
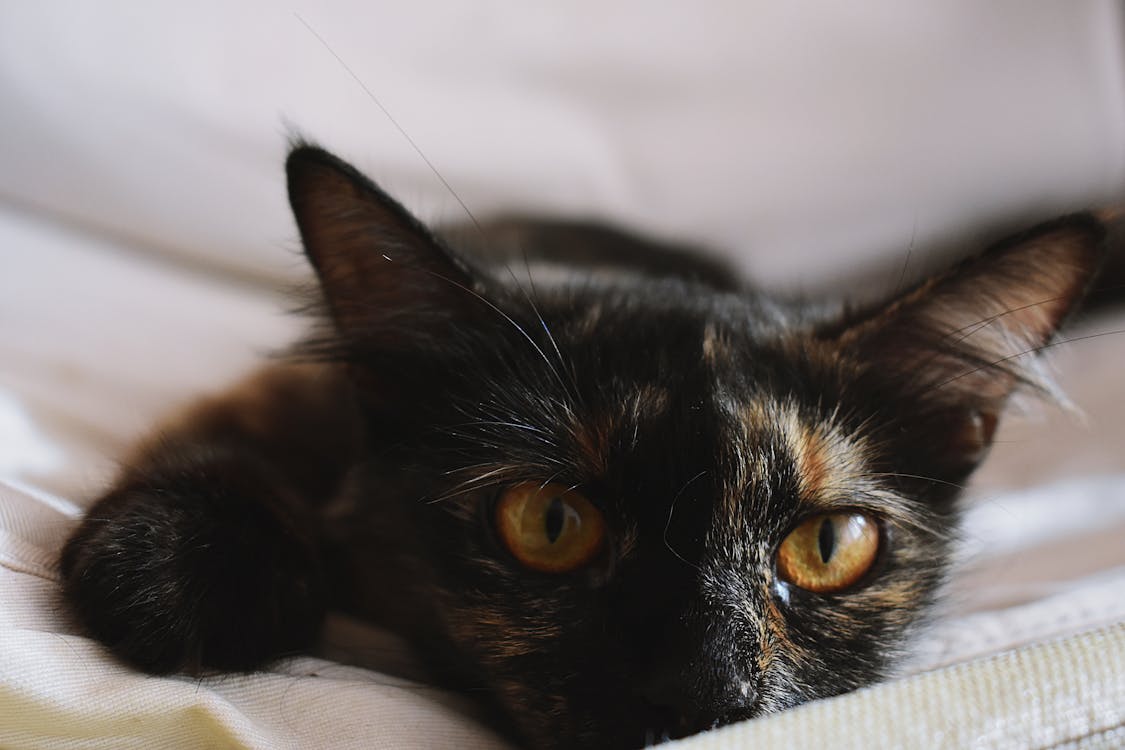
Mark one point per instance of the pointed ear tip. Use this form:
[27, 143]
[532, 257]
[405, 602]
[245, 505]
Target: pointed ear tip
[1078, 236]
[1088, 226]
[304, 157]
[312, 171]
[1088, 233]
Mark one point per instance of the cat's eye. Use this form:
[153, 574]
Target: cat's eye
[829, 552]
[549, 528]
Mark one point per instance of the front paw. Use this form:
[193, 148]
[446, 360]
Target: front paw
[194, 567]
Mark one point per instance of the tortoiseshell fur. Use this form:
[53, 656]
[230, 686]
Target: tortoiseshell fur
[705, 419]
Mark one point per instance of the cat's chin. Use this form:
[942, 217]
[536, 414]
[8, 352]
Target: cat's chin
[617, 723]
[630, 727]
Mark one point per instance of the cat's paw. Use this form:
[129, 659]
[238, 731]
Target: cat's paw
[194, 567]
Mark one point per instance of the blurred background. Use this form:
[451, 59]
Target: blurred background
[144, 233]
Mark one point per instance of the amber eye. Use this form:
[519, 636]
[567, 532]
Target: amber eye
[548, 527]
[829, 552]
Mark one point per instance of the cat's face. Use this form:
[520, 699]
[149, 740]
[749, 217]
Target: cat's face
[699, 459]
[644, 508]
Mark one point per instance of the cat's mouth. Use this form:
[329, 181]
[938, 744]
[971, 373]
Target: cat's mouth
[659, 732]
[656, 736]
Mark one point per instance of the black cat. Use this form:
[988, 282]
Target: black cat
[631, 496]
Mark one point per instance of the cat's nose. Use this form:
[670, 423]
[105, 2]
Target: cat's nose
[684, 703]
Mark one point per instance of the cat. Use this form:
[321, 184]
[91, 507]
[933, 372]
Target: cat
[632, 496]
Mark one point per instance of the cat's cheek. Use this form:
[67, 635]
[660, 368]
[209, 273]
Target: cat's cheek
[855, 623]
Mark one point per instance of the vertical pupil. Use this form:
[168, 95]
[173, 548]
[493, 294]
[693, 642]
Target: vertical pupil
[556, 516]
[826, 539]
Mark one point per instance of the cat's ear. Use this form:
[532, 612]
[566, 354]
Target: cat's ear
[387, 281]
[949, 352]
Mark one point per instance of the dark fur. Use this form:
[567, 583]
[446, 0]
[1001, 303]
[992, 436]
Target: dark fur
[705, 420]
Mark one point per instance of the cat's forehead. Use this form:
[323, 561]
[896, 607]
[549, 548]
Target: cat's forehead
[676, 383]
[783, 453]
[593, 309]
[678, 326]
[732, 404]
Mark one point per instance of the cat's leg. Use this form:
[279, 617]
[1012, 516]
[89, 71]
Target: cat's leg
[204, 553]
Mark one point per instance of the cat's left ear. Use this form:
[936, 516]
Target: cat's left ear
[387, 281]
[947, 354]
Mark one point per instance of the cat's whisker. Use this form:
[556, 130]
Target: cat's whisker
[909, 253]
[471, 467]
[537, 433]
[546, 329]
[387, 113]
[671, 510]
[473, 484]
[898, 509]
[550, 479]
[896, 474]
[947, 346]
[1024, 353]
[497, 476]
[953, 344]
[972, 328]
[522, 331]
[543, 323]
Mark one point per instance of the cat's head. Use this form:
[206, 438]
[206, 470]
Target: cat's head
[641, 508]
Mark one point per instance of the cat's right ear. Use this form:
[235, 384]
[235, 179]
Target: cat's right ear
[945, 356]
[389, 284]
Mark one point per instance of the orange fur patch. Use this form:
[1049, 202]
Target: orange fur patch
[715, 346]
[825, 459]
[813, 459]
